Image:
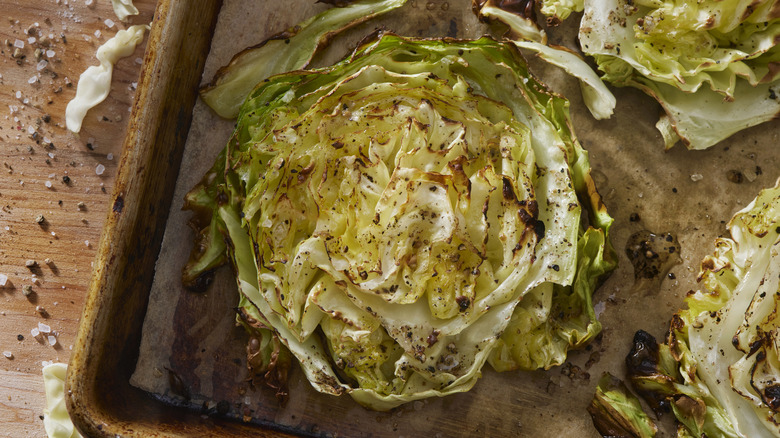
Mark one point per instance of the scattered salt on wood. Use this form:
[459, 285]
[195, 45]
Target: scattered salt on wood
[43, 328]
[100, 169]
[19, 44]
[8, 355]
[52, 340]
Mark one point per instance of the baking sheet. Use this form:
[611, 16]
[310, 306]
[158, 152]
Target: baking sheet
[192, 353]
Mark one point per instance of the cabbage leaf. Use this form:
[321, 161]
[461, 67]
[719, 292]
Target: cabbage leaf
[712, 65]
[718, 369]
[402, 217]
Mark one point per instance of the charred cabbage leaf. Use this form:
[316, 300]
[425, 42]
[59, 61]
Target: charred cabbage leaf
[402, 217]
[286, 51]
[525, 32]
[712, 65]
[617, 412]
[718, 370]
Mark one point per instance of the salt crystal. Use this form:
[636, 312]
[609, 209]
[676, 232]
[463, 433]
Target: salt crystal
[19, 44]
[51, 155]
[32, 80]
[8, 355]
[46, 363]
[139, 60]
[46, 140]
[86, 242]
[110, 156]
[697, 177]
[30, 129]
[35, 333]
[109, 23]
[97, 33]
[50, 53]
[100, 169]
[31, 40]
[41, 64]
[52, 340]
[18, 94]
[43, 328]
[47, 184]
[3, 278]
[53, 234]
[88, 2]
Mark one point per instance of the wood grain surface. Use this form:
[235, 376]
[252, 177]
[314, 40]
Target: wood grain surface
[48, 171]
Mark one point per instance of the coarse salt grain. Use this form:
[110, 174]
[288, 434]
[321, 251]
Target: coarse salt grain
[19, 44]
[18, 94]
[109, 156]
[41, 64]
[697, 177]
[47, 184]
[86, 242]
[32, 80]
[3, 279]
[97, 33]
[52, 340]
[88, 2]
[50, 53]
[31, 40]
[100, 169]
[8, 355]
[46, 363]
[51, 155]
[109, 23]
[35, 333]
[30, 129]
[43, 328]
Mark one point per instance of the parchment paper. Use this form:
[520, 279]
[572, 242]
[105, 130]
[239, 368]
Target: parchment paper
[190, 340]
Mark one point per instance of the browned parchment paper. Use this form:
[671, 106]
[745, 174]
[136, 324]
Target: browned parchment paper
[691, 194]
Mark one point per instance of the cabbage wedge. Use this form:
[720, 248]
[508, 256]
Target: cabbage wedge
[402, 217]
[713, 66]
[718, 371]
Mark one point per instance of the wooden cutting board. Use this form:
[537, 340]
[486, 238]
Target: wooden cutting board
[74, 208]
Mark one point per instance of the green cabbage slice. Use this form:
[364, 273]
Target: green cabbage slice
[712, 65]
[718, 369]
[402, 217]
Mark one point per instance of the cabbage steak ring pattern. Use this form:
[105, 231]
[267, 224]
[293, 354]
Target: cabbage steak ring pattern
[402, 217]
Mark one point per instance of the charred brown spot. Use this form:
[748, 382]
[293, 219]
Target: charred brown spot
[771, 396]
[463, 302]
[433, 338]
[119, 204]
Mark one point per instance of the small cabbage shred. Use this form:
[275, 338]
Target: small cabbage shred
[95, 83]
[402, 217]
[719, 369]
[124, 8]
[56, 420]
[713, 66]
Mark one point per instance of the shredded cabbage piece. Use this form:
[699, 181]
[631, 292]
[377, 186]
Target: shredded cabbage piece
[56, 420]
[95, 83]
[124, 8]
